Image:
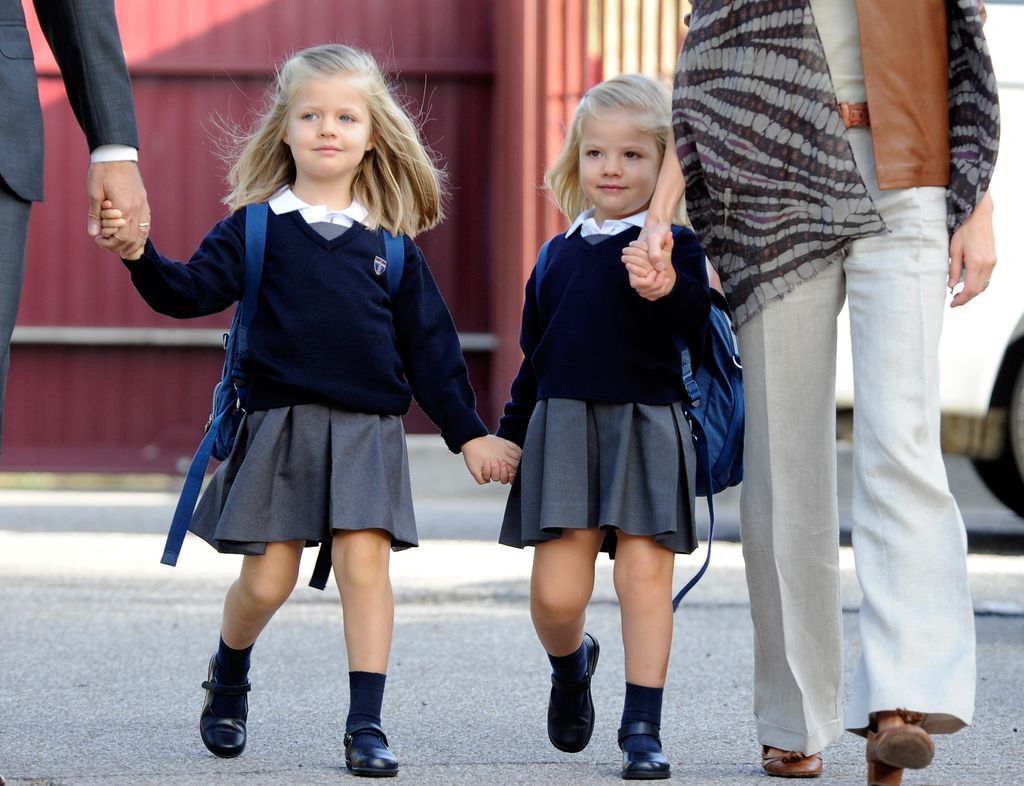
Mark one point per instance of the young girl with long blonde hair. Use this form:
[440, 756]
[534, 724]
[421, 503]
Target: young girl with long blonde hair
[334, 360]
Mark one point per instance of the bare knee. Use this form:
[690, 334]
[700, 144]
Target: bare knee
[362, 559]
[267, 581]
[642, 572]
[563, 577]
[265, 593]
[557, 604]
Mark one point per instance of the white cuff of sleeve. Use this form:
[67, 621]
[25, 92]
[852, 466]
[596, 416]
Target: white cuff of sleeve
[106, 153]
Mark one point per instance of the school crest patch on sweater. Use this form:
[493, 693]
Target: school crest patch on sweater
[379, 265]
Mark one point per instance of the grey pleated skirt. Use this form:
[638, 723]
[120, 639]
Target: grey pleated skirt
[305, 472]
[617, 467]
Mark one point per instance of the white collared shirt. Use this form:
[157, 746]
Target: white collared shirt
[588, 226]
[285, 201]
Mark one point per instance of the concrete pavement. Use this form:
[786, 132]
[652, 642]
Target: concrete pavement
[102, 651]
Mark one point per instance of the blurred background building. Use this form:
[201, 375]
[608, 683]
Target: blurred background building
[98, 382]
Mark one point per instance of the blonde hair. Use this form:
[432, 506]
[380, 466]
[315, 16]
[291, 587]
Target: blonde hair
[646, 100]
[398, 181]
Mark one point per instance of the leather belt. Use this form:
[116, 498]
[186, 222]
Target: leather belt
[855, 115]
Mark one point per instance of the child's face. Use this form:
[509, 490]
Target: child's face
[328, 132]
[619, 165]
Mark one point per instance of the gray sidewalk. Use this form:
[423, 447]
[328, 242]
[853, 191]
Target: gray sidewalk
[102, 651]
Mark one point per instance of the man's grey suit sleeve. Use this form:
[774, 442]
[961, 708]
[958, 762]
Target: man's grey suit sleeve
[85, 42]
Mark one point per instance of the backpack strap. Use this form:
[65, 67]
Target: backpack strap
[700, 444]
[689, 382]
[394, 253]
[255, 247]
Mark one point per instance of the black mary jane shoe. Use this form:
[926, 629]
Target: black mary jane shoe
[224, 737]
[643, 765]
[571, 731]
[369, 760]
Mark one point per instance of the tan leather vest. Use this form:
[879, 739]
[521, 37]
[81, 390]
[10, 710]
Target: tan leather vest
[905, 52]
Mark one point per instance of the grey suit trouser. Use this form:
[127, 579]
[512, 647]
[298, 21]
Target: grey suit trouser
[14, 213]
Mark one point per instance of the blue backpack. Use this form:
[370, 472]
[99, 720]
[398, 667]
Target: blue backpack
[713, 407]
[715, 411]
[230, 394]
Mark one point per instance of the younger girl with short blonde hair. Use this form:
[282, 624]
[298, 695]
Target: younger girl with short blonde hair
[607, 462]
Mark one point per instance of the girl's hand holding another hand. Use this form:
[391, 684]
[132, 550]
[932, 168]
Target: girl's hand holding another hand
[491, 458]
[649, 282]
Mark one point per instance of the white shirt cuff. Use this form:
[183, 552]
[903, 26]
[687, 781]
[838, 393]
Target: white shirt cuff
[106, 153]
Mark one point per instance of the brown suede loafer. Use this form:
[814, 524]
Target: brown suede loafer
[791, 764]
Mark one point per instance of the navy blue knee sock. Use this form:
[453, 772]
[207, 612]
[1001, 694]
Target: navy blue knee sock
[642, 704]
[230, 667]
[366, 697]
[569, 668]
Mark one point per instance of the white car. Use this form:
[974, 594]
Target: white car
[982, 346]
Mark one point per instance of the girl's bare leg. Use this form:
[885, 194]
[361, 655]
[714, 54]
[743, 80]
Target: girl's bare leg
[262, 586]
[560, 588]
[643, 583]
[362, 561]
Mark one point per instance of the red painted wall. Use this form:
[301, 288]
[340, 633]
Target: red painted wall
[496, 81]
[193, 64]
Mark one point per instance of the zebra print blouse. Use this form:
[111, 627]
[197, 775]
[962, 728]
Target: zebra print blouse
[772, 188]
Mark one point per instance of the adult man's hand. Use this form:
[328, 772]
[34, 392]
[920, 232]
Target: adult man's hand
[120, 182]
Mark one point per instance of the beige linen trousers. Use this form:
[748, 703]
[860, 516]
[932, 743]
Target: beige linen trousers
[917, 646]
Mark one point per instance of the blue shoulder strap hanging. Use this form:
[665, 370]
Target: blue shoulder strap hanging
[703, 462]
[255, 245]
[394, 253]
[700, 446]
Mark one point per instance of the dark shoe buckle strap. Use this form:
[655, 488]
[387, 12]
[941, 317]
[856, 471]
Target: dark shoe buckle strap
[366, 727]
[640, 728]
[226, 690]
[571, 687]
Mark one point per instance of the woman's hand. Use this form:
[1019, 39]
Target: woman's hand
[972, 254]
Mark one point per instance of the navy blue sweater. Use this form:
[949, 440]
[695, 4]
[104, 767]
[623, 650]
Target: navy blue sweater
[325, 329]
[589, 336]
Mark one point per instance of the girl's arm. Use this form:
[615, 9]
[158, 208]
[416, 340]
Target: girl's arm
[432, 355]
[210, 282]
[684, 311]
[523, 394]
[436, 369]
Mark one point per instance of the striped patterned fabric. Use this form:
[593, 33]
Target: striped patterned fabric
[772, 188]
